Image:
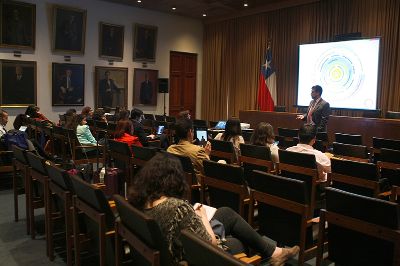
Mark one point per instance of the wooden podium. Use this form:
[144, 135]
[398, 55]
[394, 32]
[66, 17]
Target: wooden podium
[367, 127]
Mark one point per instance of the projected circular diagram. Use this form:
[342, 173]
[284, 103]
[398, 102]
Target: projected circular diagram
[340, 71]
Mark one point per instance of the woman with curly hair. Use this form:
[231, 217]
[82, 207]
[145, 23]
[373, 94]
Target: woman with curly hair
[263, 135]
[158, 190]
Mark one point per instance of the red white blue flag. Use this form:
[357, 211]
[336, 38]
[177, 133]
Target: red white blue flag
[267, 85]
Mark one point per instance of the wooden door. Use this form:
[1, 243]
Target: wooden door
[183, 73]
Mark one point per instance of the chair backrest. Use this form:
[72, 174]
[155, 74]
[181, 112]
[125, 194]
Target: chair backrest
[353, 176]
[323, 136]
[255, 157]
[282, 206]
[148, 116]
[246, 134]
[37, 163]
[159, 118]
[119, 147]
[280, 108]
[200, 123]
[200, 252]
[392, 115]
[350, 151]
[19, 154]
[350, 215]
[212, 123]
[372, 113]
[170, 119]
[144, 227]
[60, 177]
[100, 125]
[222, 150]
[379, 143]
[94, 197]
[143, 153]
[288, 132]
[390, 155]
[300, 166]
[348, 139]
[389, 164]
[232, 176]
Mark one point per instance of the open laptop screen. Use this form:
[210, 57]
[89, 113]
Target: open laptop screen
[220, 125]
[160, 130]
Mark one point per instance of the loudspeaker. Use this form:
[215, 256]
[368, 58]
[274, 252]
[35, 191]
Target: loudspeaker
[163, 85]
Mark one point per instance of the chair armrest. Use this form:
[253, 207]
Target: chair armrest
[254, 260]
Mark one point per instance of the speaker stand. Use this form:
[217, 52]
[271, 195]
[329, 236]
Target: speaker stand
[165, 113]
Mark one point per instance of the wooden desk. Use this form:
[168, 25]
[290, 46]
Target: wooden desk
[367, 127]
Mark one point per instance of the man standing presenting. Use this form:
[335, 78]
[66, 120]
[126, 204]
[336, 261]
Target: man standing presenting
[318, 111]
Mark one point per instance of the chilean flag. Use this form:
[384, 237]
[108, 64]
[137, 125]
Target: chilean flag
[267, 85]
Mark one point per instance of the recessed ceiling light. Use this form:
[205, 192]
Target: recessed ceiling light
[139, 1]
[245, 4]
[174, 8]
[204, 15]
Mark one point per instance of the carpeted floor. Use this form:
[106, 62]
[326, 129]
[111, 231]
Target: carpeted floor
[17, 248]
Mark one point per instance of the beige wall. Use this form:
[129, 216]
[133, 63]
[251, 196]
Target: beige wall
[175, 33]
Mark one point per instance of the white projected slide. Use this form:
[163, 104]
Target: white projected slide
[347, 72]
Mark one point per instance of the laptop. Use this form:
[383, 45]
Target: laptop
[160, 130]
[220, 125]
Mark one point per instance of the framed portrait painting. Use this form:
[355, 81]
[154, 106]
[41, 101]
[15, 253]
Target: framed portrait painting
[17, 21]
[68, 84]
[69, 26]
[111, 87]
[18, 83]
[145, 86]
[111, 41]
[144, 43]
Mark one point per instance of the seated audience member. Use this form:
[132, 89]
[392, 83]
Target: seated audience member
[263, 135]
[33, 111]
[184, 114]
[138, 128]
[98, 115]
[307, 138]
[123, 133]
[158, 190]
[185, 132]
[123, 115]
[233, 133]
[87, 112]
[70, 112]
[69, 116]
[3, 122]
[20, 120]
[83, 133]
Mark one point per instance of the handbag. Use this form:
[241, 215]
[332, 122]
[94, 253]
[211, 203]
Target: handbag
[219, 232]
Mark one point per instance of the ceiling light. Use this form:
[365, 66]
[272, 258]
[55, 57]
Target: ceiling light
[174, 8]
[204, 15]
[139, 1]
[245, 4]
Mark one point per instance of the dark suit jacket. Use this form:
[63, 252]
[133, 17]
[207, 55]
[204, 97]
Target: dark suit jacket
[320, 115]
[138, 131]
